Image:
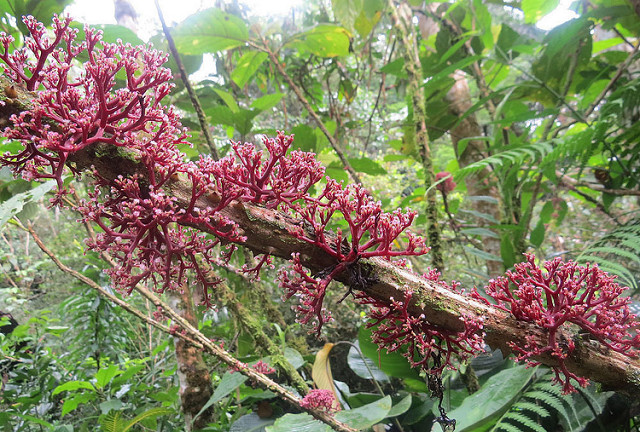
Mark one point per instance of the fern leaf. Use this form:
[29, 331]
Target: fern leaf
[153, 412]
[112, 422]
[523, 420]
[547, 398]
[507, 427]
[530, 406]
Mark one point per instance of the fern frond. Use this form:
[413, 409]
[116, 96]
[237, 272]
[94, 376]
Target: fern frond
[510, 156]
[522, 419]
[533, 407]
[112, 422]
[153, 412]
[507, 427]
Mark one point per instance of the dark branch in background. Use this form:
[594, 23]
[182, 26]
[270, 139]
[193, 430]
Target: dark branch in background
[204, 126]
[334, 144]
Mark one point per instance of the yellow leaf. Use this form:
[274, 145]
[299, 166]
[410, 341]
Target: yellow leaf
[321, 372]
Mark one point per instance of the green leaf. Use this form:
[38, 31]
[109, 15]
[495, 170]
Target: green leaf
[534, 10]
[267, 102]
[210, 30]
[494, 398]
[250, 423]
[230, 382]
[484, 232]
[364, 367]
[294, 357]
[228, 99]
[367, 415]
[109, 405]
[73, 385]
[507, 252]
[153, 412]
[346, 11]
[367, 166]
[482, 254]
[324, 40]
[393, 364]
[305, 138]
[112, 32]
[16, 203]
[401, 407]
[298, 423]
[247, 66]
[537, 234]
[104, 376]
[72, 403]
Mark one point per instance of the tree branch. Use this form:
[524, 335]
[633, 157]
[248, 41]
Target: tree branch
[269, 231]
[191, 335]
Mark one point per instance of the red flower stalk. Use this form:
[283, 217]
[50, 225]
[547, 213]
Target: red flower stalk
[563, 293]
[425, 345]
[371, 233]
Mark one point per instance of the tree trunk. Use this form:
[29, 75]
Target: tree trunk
[195, 381]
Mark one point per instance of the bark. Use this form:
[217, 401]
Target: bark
[268, 231]
[195, 380]
[479, 184]
[402, 21]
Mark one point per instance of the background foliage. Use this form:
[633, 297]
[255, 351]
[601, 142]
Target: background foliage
[538, 128]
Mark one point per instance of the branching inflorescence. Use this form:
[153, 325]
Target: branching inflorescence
[113, 101]
[564, 293]
[425, 346]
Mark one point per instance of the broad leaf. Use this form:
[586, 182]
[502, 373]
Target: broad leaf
[210, 30]
[493, 399]
[248, 64]
[324, 40]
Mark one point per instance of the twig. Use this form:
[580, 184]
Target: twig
[190, 335]
[334, 144]
[185, 79]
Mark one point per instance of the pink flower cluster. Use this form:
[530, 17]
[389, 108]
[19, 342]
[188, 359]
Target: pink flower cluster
[561, 294]
[425, 345]
[369, 232]
[320, 399]
[115, 99]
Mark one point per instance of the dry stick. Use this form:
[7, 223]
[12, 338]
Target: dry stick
[185, 79]
[192, 336]
[334, 144]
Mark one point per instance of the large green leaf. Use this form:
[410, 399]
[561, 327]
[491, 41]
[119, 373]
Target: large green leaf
[367, 415]
[393, 364]
[230, 382]
[492, 400]
[71, 403]
[324, 40]
[267, 102]
[363, 366]
[298, 423]
[73, 385]
[15, 204]
[210, 30]
[536, 9]
[367, 166]
[360, 418]
[105, 375]
[247, 66]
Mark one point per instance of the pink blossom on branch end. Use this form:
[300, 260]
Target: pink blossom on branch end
[563, 293]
